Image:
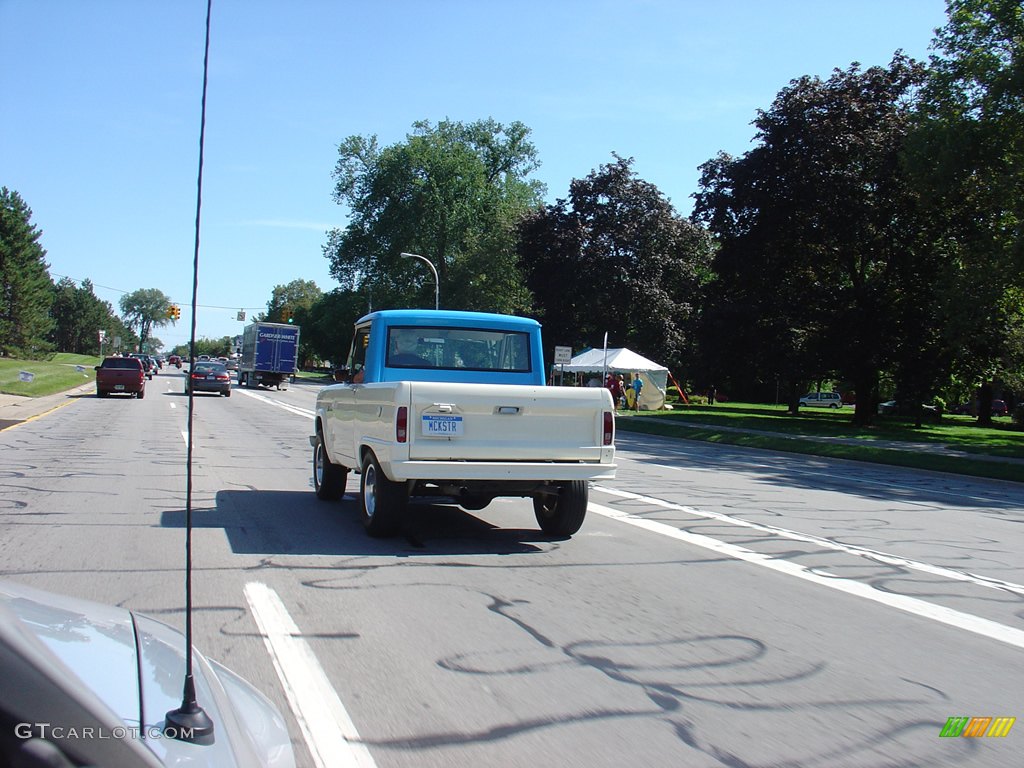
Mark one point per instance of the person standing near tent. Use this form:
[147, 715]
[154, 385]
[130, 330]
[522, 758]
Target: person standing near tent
[615, 387]
[638, 387]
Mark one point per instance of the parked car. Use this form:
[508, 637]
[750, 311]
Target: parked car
[74, 666]
[822, 399]
[892, 407]
[999, 408]
[209, 377]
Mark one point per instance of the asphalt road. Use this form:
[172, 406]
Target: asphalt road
[720, 607]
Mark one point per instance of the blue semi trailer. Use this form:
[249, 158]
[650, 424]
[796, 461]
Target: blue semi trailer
[270, 353]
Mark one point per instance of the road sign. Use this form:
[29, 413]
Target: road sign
[241, 315]
[563, 355]
[103, 335]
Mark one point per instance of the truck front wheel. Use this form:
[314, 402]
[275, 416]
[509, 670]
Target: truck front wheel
[562, 514]
[383, 501]
[328, 479]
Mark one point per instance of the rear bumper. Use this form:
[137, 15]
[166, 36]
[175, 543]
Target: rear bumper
[488, 470]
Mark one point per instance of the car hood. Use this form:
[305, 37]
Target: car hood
[127, 670]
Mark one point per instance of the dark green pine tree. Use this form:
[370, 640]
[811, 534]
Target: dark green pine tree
[26, 290]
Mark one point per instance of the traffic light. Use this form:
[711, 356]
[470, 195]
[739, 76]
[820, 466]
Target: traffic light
[174, 312]
[286, 315]
[170, 312]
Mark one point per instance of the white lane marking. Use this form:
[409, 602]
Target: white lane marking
[329, 731]
[850, 549]
[290, 408]
[184, 436]
[173, 405]
[912, 605]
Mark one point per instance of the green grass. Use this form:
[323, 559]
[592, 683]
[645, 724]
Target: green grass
[889, 441]
[52, 376]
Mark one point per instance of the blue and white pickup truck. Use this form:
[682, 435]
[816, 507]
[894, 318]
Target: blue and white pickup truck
[454, 404]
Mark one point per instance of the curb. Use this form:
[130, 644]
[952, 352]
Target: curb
[15, 410]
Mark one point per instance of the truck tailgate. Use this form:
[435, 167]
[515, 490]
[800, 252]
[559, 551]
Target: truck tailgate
[482, 422]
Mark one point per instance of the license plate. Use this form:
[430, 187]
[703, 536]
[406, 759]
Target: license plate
[119, 386]
[442, 426]
[211, 377]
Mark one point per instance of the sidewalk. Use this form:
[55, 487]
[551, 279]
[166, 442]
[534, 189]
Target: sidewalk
[15, 409]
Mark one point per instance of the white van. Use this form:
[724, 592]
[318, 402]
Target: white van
[822, 399]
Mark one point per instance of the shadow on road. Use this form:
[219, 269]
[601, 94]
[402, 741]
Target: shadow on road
[297, 523]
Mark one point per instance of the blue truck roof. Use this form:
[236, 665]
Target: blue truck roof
[444, 318]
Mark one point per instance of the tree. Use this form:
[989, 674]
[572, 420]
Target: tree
[818, 231]
[615, 257]
[968, 158]
[25, 283]
[292, 304]
[295, 298]
[144, 310]
[79, 316]
[327, 326]
[451, 193]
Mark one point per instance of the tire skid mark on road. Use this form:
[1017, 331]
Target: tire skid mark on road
[808, 538]
[329, 732]
[912, 605]
[804, 472]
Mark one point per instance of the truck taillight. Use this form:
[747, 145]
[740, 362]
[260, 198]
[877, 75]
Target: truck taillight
[402, 424]
[609, 427]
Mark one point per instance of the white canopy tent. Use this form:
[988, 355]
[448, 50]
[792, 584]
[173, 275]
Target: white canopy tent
[600, 361]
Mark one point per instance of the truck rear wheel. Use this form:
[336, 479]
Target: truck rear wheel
[383, 501]
[562, 514]
[328, 479]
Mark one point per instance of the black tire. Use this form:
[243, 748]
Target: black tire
[329, 479]
[562, 514]
[142, 393]
[101, 393]
[382, 502]
[474, 503]
[226, 393]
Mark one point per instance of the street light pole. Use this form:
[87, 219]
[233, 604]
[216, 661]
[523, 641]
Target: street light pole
[437, 283]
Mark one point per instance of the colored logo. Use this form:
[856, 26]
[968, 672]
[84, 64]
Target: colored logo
[974, 727]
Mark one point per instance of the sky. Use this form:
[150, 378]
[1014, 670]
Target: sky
[99, 129]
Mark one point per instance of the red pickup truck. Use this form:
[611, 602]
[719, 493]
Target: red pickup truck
[121, 375]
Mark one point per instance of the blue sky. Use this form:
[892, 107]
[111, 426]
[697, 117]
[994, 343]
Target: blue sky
[100, 128]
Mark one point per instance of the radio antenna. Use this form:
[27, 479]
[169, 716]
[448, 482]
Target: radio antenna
[189, 722]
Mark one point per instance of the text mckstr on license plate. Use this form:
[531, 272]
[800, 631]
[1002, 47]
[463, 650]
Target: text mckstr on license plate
[442, 426]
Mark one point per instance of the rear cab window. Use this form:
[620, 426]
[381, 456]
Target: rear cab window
[455, 349]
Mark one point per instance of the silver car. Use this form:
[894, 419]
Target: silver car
[90, 684]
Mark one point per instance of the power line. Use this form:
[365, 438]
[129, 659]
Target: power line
[201, 306]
